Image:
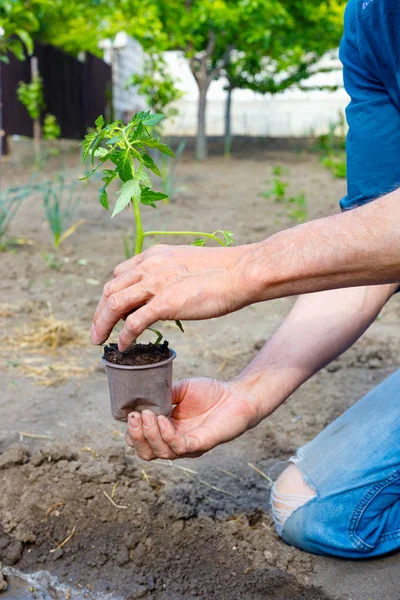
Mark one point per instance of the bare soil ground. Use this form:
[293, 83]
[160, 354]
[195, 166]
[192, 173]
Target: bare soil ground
[75, 504]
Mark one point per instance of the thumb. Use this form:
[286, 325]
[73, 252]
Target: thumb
[179, 390]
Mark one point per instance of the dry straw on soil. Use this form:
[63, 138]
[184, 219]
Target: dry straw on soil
[42, 348]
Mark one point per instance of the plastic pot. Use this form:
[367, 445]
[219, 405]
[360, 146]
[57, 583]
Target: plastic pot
[138, 388]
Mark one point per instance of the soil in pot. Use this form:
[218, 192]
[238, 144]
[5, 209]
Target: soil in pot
[138, 355]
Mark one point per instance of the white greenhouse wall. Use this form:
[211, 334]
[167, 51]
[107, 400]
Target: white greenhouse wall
[294, 113]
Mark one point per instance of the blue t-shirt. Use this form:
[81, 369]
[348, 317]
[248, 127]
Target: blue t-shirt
[370, 53]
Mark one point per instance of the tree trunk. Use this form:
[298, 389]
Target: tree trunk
[201, 139]
[36, 122]
[3, 141]
[228, 137]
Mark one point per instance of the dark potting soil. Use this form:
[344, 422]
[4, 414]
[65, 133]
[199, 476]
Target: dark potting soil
[138, 355]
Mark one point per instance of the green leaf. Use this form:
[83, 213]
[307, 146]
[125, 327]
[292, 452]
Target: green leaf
[16, 47]
[150, 164]
[155, 143]
[144, 177]
[138, 132]
[152, 120]
[199, 242]
[108, 176]
[149, 197]
[124, 167]
[86, 145]
[101, 152]
[130, 189]
[104, 198]
[89, 174]
[26, 38]
[97, 141]
[179, 324]
[99, 122]
[113, 140]
[229, 238]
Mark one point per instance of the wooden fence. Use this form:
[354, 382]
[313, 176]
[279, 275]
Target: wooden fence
[75, 91]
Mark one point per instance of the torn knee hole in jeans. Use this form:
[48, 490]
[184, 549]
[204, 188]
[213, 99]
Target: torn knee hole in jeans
[289, 493]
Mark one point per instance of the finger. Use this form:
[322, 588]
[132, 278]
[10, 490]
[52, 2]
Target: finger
[188, 445]
[136, 435]
[179, 390]
[116, 307]
[125, 280]
[135, 324]
[153, 436]
[131, 263]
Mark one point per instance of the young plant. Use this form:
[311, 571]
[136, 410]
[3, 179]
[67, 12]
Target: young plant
[124, 149]
[60, 202]
[299, 212]
[279, 187]
[10, 201]
[168, 171]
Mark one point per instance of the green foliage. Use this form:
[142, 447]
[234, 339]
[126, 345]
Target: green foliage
[336, 163]
[19, 19]
[299, 212]
[10, 202]
[297, 205]
[168, 171]
[278, 190]
[51, 129]
[126, 147]
[332, 146]
[31, 96]
[60, 202]
[157, 86]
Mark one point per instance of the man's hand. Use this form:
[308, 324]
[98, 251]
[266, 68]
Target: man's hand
[207, 413]
[170, 283]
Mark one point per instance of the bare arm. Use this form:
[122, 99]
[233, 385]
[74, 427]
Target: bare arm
[319, 328]
[356, 248]
[209, 412]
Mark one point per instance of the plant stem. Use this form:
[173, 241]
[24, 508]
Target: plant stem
[139, 227]
[210, 236]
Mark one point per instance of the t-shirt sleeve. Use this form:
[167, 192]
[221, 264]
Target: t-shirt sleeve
[373, 141]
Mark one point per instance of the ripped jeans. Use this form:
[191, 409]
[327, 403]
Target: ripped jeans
[347, 502]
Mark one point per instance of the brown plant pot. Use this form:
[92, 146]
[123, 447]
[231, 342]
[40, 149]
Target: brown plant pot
[140, 387]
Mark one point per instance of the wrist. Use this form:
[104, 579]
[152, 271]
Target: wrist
[267, 385]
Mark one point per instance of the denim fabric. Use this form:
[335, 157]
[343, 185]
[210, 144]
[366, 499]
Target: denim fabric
[370, 55]
[354, 468]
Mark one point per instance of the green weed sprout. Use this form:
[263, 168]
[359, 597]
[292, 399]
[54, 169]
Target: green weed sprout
[125, 148]
[279, 187]
[60, 202]
[10, 201]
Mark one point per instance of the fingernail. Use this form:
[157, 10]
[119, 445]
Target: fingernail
[133, 422]
[147, 418]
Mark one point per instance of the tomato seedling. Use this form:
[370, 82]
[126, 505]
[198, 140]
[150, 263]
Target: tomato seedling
[125, 148]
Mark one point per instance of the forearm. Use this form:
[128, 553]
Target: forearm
[358, 247]
[319, 328]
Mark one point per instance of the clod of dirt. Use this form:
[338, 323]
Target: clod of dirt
[13, 455]
[54, 453]
[3, 583]
[138, 355]
[12, 553]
